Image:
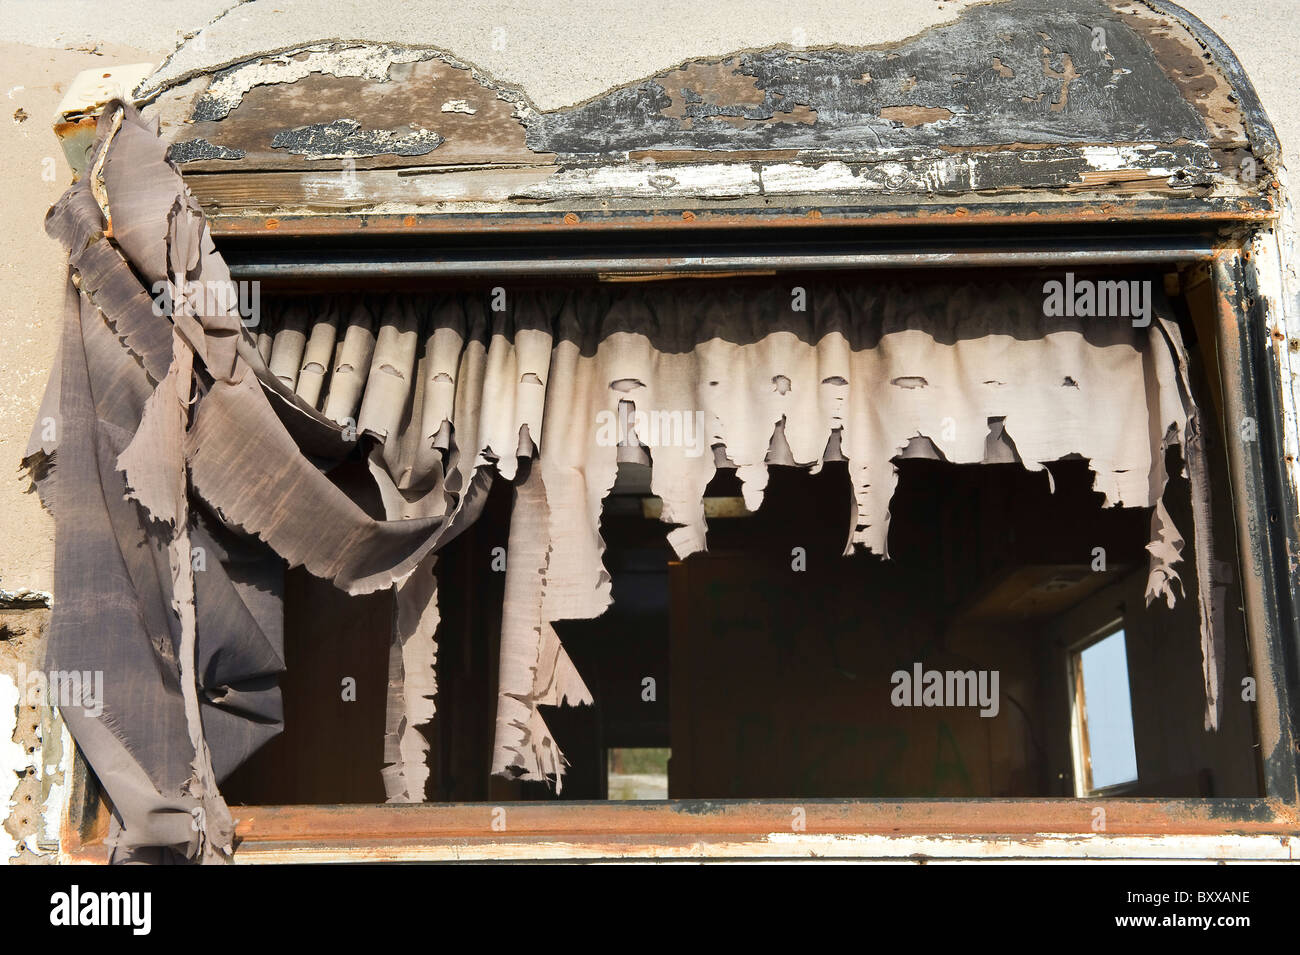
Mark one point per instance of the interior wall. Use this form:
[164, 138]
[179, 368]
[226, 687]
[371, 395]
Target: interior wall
[334, 689]
[1176, 755]
[771, 655]
[783, 676]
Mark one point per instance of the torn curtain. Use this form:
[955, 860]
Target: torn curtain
[191, 450]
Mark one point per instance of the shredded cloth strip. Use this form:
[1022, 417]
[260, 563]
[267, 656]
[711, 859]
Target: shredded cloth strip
[186, 455]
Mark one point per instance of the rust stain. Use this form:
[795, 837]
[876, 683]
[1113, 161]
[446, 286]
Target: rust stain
[570, 218]
[65, 129]
[432, 223]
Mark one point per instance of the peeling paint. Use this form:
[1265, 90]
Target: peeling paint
[911, 116]
[345, 139]
[227, 89]
[25, 598]
[193, 150]
[997, 81]
[13, 760]
[714, 180]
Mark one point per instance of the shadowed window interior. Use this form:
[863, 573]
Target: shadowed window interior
[764, 665]
[770, 665]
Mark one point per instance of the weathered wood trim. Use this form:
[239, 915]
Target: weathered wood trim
[1144, 170]
[1190, 829]
[788, 847]
[1263, 137]
[986, 817]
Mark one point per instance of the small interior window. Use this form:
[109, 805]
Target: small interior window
[1105, 752]
[639, 773]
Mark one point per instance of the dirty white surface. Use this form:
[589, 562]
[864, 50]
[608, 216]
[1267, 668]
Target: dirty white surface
[564, 53]
[13, 761]
[143, 24]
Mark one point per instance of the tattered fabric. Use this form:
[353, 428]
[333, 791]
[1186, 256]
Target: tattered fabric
[195, 450]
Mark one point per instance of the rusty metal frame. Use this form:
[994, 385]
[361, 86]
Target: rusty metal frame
[1267, 521]
[1189, 213]
[911, 829]
[702, 256]
[952, 828]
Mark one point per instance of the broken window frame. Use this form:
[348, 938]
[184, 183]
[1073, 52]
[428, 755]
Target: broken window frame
[1266, 532]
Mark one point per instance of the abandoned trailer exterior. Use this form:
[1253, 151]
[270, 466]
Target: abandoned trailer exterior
[879, 447]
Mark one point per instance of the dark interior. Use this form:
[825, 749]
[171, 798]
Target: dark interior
[772, 680]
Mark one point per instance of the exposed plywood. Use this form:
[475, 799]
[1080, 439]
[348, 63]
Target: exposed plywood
[431, 94]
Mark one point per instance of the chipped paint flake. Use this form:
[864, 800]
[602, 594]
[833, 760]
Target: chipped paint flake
[13, 760]
[798, 178]
[912, 116]
[227, 89]
[1112, 158]
[345, 139]
[706, 180]
[458, 106]
[195, 150]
